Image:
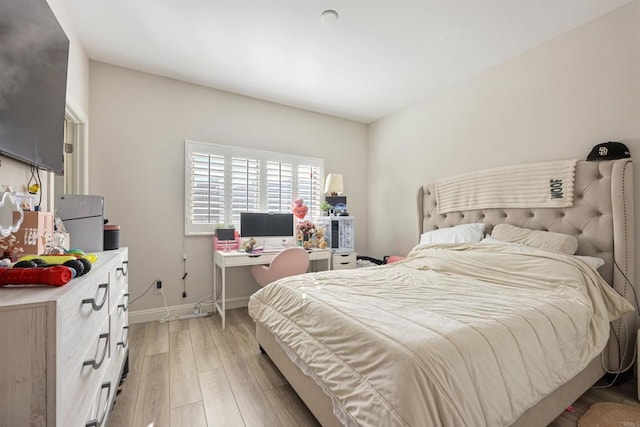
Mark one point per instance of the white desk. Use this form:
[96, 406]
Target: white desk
[223, 260]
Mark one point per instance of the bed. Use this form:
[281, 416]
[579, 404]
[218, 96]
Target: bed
[380, 392]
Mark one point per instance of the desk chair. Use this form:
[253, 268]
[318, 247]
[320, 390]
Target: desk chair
[289, 262]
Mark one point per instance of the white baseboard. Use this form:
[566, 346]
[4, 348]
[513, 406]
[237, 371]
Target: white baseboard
[155, 314]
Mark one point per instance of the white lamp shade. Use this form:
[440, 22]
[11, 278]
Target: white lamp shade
[333, 184]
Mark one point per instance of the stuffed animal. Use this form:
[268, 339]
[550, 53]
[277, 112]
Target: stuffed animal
[322, 244]
[249, 244]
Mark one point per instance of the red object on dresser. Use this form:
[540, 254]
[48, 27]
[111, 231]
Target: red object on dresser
[53, 276]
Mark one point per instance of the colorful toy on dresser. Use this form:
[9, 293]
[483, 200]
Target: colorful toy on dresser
[52, 270]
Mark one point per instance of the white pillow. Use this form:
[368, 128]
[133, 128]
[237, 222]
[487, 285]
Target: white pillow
[491, 241]
[465, 233]
[592, 261]
[547, 240]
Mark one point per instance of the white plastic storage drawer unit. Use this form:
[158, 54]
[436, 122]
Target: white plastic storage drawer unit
[343, 261]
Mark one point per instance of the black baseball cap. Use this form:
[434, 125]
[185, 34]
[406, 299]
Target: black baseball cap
[609, 151]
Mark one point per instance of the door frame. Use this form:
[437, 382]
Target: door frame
[77, 179]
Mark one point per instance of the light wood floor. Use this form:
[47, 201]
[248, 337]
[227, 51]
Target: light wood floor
[192, 373]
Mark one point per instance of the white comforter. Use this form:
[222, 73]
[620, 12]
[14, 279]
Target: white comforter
[455, 335]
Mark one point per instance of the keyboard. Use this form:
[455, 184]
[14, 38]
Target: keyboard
[272, 250]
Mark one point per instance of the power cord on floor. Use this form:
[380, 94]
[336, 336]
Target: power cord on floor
[199, 302]
[168, 318]
[621, 321]
[620, 369]
[164, 298]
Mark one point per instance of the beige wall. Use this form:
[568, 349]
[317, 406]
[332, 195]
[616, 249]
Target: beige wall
[553, 102]
[78, 74]
[139, 123]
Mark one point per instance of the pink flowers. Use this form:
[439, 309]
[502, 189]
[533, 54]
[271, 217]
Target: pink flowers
[306, 227]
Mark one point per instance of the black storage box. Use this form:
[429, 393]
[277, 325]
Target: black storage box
[111, 237]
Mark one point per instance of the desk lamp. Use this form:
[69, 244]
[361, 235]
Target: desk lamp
[333, 184]
[332, 187]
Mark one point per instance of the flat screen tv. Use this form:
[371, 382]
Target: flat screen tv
[254, 224]
[34, 52]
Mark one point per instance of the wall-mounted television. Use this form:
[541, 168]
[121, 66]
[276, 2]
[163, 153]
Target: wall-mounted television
[256, 224]
[34, 52]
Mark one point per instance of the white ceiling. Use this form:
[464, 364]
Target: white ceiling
[379, 57]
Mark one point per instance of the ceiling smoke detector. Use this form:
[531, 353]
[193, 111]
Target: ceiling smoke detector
[329, 16]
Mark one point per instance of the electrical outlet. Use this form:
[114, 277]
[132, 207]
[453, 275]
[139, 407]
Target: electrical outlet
[159, 284]
[184, 256]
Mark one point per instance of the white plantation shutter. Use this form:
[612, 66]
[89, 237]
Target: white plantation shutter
[207, 189]
[279, 186]
[245, 187]
[221, 181]
[309, 187]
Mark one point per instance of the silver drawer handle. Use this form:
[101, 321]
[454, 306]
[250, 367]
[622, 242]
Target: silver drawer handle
[92, 301]
[122, 306]
[124, 342]
[125, 268]
[96, 422]
[93, 363]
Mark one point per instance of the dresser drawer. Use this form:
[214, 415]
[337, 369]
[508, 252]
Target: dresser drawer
[99, 403]
[81, 315]
[343, 261]
[91, 370]
[120, 332]
[244, 259]
[118, 276]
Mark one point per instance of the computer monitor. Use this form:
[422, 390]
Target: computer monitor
[226, 233]
[256, 224]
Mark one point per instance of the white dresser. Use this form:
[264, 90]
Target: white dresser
[63, 349]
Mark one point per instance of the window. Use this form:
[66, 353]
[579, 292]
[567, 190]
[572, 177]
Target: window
[221, 181]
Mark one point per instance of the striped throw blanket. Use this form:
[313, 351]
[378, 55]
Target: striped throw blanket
[530, 185]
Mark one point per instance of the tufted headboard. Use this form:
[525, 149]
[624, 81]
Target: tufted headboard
[601, 218]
